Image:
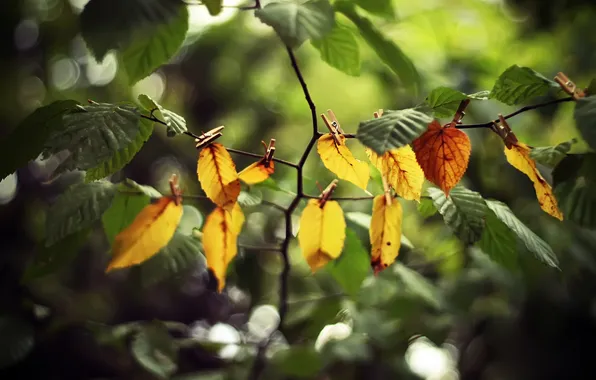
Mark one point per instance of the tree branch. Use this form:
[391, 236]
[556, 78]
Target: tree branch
[256, 155]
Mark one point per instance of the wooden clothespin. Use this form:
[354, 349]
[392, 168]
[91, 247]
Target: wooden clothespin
[460, 113]
[326, 194]
[209, 137]
[333, 126]
[378, 113]
[175, 189]
[269, 152]
[569, 86]
[387, 191]
[504, 130]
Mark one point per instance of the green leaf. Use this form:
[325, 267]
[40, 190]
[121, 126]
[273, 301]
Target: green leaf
[131, 187]
[297, 22]
[532, 242]
[182, 253]
[213, 6]
[591, 89]
[499, 242]
[386, 49]
[48, 260]
[340, 49]
[392, 130]
[354, 348]
[122, 157]
[122, 213]
[176, 124]
[551, 155]
[117, 24]
[418, 285]
[151, 48]
[298, 361]
[463, 210]
[27, 140]
[155, 350]
[480, 95]
[585, 117]
[352, 266]
[18, 339]
[78, 208]
[444, 101]
[426, 208]
[94, 134]
[250, 198]
[574, 184]
[519, 84]
[383, 8]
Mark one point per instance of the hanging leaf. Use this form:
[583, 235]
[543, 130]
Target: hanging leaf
[155, 350]
[382, 8]
[551, 155]
[322, 233]
[352, 267]
[213, 6]
[499, 242]
[150, 231]
[340, 49]
[257, 172]
[122, 157]
[295, 23]
[220, 235]
[534, 243]
[386, 50]
[18, 340]
[129, 186]
[519, 157]
[401, 169]
[218, 177]
[443, 153]
[444, 101]
[574, 182]
[93, 134]
[298, 362]
[585, 118]
[48, 260]
[175, 123]
[27, 140]
[79, 207]
[519, 84]
[339, 159]
[385, 232]
[250, 198]
[183, 253]
[463, 210]
[419, 286]
[426, 208]
[392, 130]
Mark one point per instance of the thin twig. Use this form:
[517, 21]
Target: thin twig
[239, 7]
[263, 201]
[260, 248]
[256, 155]
[340, 198]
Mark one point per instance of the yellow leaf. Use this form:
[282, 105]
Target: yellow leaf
[150, 231]
[218, 177]
[519, 157]
[401, 169]
[339, 160]
[385, 232]
[322, 233]
[220, 235]
[257, 172]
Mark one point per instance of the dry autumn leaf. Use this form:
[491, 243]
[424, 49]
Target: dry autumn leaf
[322, 233]
[443, 154]
[385, 232]
[218, 177]
[338, 159]
[401, 169]
[257, 172]
[150, 231]
[519, 157]
[220, 235]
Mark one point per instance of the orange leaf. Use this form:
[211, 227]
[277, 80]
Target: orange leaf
[220, 235]
[150, 231]
[443, 154]
[339, 160]
[257, 172]
[218, 177]
[385, 232]
[322, 233]
[401, 169]
[519, 157]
